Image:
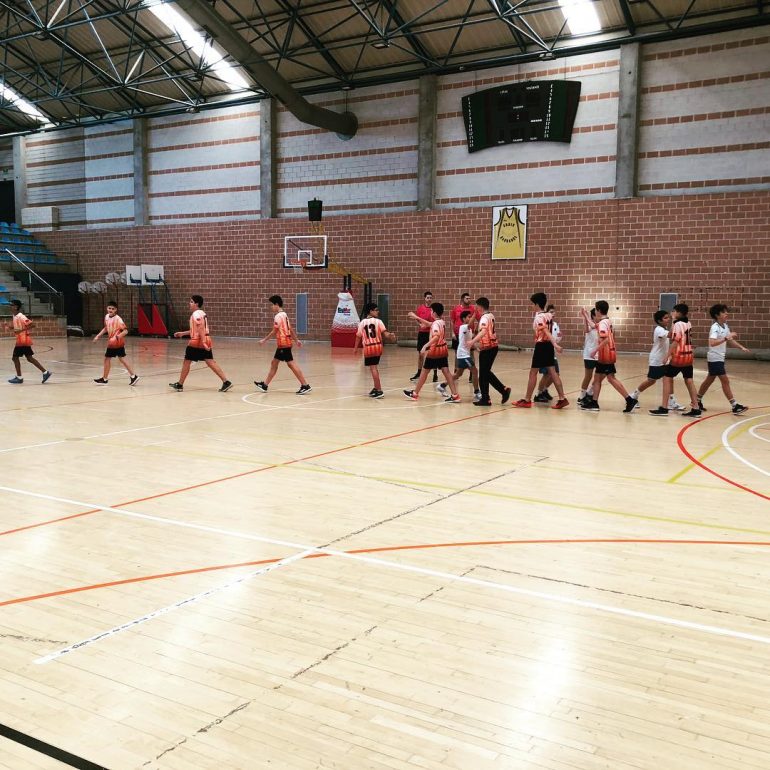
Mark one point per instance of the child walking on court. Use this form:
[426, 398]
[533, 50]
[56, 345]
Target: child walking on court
[606, 355]
[464, 356]
[543, 396]
[720, 337]
[285, 337]
[370, 334]
[658, 353]
[199, 348]
[116, 331]
[20, 326]
[590, 343]
[544, 354]
[486, 341]
[679, 361]
[435, 354]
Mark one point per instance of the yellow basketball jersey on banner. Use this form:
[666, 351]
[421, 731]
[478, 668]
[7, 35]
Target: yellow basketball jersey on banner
[509, 234]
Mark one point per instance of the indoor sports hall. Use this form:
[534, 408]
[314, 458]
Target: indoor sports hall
[220, 554]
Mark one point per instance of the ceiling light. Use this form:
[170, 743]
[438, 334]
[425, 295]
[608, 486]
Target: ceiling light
[346, 87]
[197, 43]
[381, 43]
[581, 16]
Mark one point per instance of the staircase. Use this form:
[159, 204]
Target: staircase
[10, 289]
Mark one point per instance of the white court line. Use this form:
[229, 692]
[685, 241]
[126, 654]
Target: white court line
[307, 549]
[753, 432]
[171, 607]
[735, 454]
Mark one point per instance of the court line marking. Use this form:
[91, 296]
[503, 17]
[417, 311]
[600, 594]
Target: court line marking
[312, 551]
[761, 545]
[753, 432]
[171, 607]
[733, 452]
[703, 466]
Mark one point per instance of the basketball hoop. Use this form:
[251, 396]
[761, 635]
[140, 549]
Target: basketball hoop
[302, 264]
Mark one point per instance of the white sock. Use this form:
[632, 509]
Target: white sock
[635, 394]
[733, 402]
[582, 393]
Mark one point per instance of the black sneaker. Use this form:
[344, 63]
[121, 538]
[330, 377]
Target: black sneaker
[226, 385]
[631, 404]
[411, 395]
[132, 380]
[378, 394]
[304, 389]
[482, 402]
[691, 413]
[701, 407]
[261, 386]
[102, 381]
[540, 398]
[740, 409]
[589, 405]
[548, 396]
[372, 392]
[176, 386]
[506, 396]
[415, 376]
[661, 411]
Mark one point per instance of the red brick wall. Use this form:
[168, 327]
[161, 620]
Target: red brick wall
[45, 326]
[706, 248]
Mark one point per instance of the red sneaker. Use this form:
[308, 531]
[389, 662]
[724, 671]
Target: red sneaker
[522, 403]
[560, 404]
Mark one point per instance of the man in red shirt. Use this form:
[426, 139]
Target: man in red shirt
[457, 311]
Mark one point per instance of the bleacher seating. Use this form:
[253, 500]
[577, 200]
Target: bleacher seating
[25, 246]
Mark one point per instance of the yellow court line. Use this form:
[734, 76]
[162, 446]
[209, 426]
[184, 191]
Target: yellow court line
[711, 451]
[604, 474]
[538, 501]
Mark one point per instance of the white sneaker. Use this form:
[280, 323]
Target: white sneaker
[674, 405]
[441, 388]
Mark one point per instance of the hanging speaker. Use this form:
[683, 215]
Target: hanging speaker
[315, 210]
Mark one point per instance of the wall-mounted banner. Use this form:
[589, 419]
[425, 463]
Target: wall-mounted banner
[509, 232]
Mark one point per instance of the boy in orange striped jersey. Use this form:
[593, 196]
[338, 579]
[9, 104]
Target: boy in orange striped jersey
[680, 358]
[199, 348]
[20, 326]
[544, 354]
[370, 334]
[116, 331]
[285, 336]
[436, 356]
[605, 355]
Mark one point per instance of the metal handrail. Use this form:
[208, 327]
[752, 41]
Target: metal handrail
[32, 272]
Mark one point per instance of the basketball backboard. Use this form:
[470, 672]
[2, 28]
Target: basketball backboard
[305, 251]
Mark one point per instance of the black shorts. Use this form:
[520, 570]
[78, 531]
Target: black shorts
[605, 368]
[422, 339]
[283, 354]
[371, 360]
[115, 352]
[543, 355]
[716, 368]
[656, 372]
[686, 371]
[589, 363]
[22, 350]
[455, 343]
[544, 370]
[435, 363]
[198, 354]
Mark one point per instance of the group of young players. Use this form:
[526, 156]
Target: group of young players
[473, 328]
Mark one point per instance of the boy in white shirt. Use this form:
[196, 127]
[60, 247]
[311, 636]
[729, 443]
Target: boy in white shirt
[464, 358]
[719, 336]
[590, 343]
[658, 353]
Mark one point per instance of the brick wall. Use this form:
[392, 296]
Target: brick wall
[707, 248]
[45, 326]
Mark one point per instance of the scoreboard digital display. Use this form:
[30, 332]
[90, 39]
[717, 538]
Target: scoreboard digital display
[531, 111]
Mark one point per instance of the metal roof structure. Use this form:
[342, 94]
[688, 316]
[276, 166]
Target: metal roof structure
[82, 62]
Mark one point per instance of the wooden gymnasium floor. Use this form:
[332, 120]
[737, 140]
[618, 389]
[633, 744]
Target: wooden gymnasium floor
[241, 580]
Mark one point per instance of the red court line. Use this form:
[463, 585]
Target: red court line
[696, 461]
[381, 549]
[253, 471]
